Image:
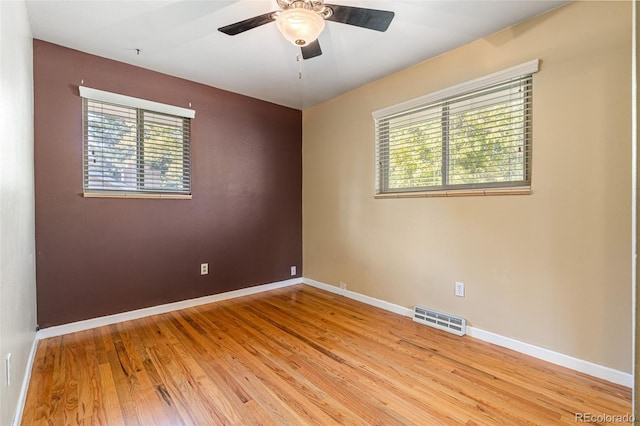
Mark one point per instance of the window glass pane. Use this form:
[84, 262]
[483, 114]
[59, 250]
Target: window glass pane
[415, 150]
[111, 147]
[487, 138]
[164, 165]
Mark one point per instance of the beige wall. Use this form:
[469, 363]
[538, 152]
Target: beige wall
[17, 234]
[552, 269]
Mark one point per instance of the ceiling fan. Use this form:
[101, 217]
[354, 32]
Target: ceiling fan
[302, 21]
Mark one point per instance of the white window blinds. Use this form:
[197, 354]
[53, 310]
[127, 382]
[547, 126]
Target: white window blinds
[128, 148]
[458, 139]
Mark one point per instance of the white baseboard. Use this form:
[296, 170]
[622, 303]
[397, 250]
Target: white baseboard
[587, 367]
[22, 398]
[59, 330]
[387, 306]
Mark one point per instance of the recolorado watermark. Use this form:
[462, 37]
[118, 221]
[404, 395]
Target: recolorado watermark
[604, 418]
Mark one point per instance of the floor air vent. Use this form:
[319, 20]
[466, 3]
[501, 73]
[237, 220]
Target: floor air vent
[446, 322]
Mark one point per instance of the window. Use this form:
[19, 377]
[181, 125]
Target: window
[134, 146]
[473, 136]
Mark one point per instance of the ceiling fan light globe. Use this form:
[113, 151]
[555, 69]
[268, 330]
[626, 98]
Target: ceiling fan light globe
[300, 26]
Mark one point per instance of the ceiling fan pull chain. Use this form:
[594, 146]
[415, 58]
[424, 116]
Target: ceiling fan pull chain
[299, 66]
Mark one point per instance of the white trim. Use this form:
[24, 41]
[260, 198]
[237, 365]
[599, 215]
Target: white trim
[137, 195]
[459, 89]
[22, 397]
[516, 190]
[387, 306]
[118, 99]
[587, 367]
[59, 330]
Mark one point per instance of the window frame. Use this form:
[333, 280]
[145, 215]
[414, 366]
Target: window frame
[441, 99]
[140, 107]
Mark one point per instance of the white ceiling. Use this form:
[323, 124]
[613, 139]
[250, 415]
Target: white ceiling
[180, 38]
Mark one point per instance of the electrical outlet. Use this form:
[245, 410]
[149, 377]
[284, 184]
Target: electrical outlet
[7, 366]
[293, 271]
[459, 289]
[204, 268]
[343, 285]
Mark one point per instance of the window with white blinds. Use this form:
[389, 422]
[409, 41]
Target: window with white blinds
[130, 149]
[477, 139]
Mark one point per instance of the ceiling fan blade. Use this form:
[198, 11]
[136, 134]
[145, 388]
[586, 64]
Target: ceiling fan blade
[372, 19]
[247, 24]
[311, 50]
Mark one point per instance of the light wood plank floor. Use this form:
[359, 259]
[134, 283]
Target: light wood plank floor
[298, 356]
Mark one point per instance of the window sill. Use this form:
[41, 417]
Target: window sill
[134, 195]
[520, 190]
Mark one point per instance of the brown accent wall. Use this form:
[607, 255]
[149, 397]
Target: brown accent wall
[103, 256]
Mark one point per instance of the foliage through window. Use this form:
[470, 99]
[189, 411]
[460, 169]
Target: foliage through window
[480, 139]
[128, 149]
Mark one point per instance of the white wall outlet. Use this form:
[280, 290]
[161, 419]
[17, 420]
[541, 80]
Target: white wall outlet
[459, 289]
[7, 366]
[204, 268]
[343, 285]
[293, 270]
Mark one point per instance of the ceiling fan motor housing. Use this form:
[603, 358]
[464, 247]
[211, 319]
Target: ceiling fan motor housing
[315, 5]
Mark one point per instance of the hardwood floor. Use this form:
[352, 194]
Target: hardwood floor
[299, 356]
